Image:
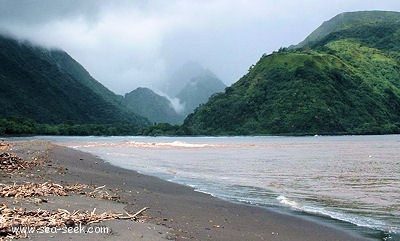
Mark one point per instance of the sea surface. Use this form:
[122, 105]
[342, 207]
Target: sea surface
[354, 179]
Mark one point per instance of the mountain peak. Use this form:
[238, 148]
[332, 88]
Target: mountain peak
[49, 86]
[176, 82]
[345, 82]
[156, 108]
[351, 20]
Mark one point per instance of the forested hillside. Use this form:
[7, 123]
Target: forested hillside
[343, 79]
[156, 108]
[48, 86]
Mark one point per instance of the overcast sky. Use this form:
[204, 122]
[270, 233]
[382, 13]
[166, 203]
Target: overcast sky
[130, 43]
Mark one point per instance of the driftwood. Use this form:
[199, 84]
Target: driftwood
[61, 218]
[101, 192]
[4, 145]
[137, 213]
[45, 189]
[37, 190]
[12, 217]
[10, 162]
[42, 218]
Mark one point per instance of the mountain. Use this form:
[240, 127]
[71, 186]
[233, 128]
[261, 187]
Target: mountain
[343, 79]
[76, 70]
[159, 109]
[192, 84]
[181, 77]
[49, 86]
[156, 108]
[198, 90]
[383, 25]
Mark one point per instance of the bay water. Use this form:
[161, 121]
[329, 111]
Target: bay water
[354, 179]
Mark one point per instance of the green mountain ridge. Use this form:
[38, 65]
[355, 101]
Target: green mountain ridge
[159, 109]
[177, 80]
[156, 108]
[191, 85]
[50, 87]
[356, 23]
[198, 90]
[70, 65]
[343, 79]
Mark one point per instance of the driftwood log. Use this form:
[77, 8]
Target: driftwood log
[10, 162]
[11, 217]
[46, 189]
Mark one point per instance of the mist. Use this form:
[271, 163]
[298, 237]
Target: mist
[128, 44]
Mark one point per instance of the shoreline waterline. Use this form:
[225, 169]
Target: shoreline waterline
[310, 214]
[202, 187]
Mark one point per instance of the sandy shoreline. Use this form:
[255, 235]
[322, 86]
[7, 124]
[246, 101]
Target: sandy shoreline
[176, 212]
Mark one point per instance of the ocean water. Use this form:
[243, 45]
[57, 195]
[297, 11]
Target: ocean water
[354, 179]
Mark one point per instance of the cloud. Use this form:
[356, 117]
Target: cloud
[125, 44]
[176, 103]
[37, 12]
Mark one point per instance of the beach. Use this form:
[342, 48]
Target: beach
[175, 212]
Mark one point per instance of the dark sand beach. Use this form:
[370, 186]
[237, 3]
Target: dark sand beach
[176, 212]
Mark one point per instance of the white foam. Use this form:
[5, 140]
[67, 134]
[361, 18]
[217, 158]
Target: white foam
[354, 219]
[166, 144]
[287, 202]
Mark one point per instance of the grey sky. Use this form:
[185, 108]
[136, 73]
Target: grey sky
[130, 43]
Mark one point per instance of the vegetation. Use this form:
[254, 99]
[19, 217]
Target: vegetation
[358, 24]
[343, 82]
[22, 126]
[156, 108]
[165, 129]
[198, 90]
[191, 86]
[343, 79]
[17, 125]
[50, 87]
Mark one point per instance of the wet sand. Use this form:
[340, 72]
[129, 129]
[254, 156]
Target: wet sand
[176, 212]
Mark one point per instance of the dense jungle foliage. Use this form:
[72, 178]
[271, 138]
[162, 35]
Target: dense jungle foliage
[341, 82]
